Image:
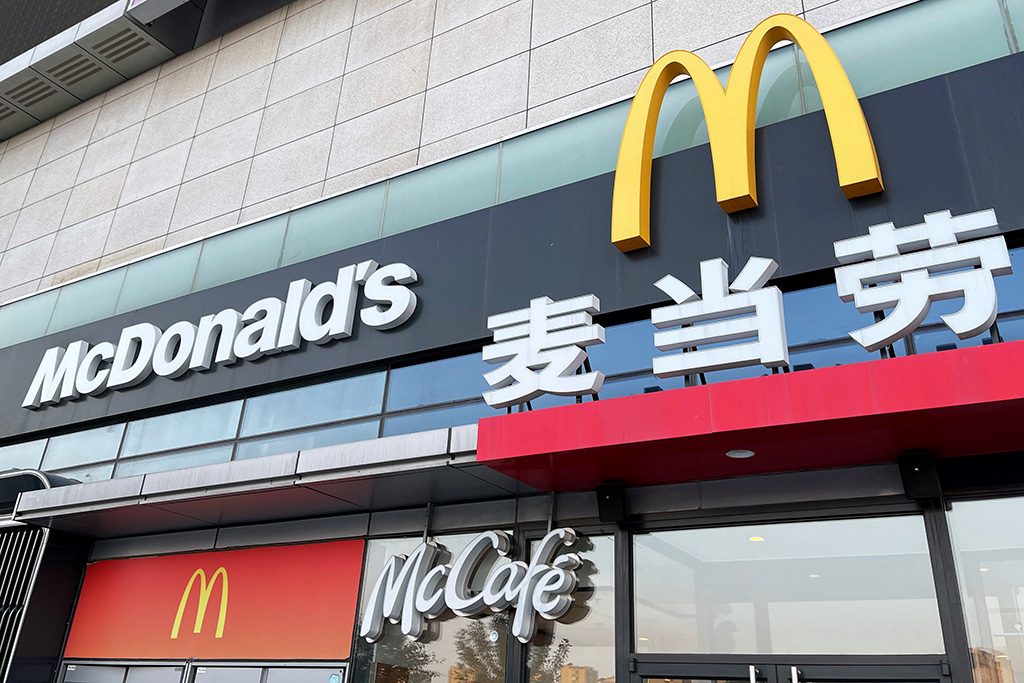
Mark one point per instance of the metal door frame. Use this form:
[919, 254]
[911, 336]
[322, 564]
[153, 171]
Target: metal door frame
[781, 668]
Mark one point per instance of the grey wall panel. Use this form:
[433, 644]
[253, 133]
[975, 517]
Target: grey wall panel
[187, 541]
[298, 531]
[398, 522]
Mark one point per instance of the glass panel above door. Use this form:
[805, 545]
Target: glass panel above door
[857, 586]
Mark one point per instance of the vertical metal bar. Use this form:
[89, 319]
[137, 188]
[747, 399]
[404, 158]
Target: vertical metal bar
[623, 599]
[947, 590]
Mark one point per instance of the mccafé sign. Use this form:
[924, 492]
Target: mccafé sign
[274, 603]
[414, 589]
[312, 314]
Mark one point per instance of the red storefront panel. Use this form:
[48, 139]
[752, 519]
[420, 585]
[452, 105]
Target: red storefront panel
[960, 402]
[288, 602]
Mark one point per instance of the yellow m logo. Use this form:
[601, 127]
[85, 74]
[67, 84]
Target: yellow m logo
[730, 113]
[205, 589]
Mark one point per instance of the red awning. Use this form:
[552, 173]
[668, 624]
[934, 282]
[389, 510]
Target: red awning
[952, 403]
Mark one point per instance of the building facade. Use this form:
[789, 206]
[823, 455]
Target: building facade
[378, 341]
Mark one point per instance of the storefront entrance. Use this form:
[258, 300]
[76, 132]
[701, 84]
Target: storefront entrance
[806, 671]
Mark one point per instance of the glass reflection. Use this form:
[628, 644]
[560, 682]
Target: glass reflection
[861, 586]
[316, 404]
[328, 436]
[174, 461]
[181, 429]
[456, 650]
[438, 381]
[22, 456]
[80, 448]
[580, 647]
[989, 548]
[440, 418]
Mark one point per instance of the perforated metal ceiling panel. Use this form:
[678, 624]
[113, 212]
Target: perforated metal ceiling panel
[35, 95]
[13, 120]
[65, 63]
[123, 46]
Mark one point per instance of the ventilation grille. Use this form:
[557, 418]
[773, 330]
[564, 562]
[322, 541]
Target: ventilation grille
[19, 551]
[6, 111]
[121, 45]
[31, 92]
[73, 70]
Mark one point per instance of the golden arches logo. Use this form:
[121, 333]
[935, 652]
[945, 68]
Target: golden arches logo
[205, 589]
[730, 113]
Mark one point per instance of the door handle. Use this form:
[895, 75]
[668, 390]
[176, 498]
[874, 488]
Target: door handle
[794, 674]
[753, 674]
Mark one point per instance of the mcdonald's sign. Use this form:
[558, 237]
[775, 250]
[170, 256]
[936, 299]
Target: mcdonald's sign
[730, 114]
[259, 603]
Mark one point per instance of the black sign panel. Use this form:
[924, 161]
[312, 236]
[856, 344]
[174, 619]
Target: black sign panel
[953, 142]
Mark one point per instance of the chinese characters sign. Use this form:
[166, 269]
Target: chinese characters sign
[899, 270]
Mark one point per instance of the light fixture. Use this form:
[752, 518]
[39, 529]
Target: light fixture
[983, 569]
[643, 640]
[755, 539]
[740, 454]
[1002, 656]
[814, 576]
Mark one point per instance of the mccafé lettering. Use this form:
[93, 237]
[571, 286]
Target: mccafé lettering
[314, 314]
[411, 590]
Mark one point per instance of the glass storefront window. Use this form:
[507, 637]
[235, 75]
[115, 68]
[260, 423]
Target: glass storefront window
[185, 428]
[334, 224]
[80, 448]
[86, 300]
[438, 381]
[580, 647]
[451, 188]
[240, 253]
[329, 436]
[22, 456]
[988, 543]
[89, 474]
[818, 314]
[455, 650]
[859, 586]
[441, 418]
[174, 461]
[316, 404]
[917, 38]
[160, 278]
[576, 149]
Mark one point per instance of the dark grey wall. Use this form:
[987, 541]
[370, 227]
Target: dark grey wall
[953, 142]
[26, 23]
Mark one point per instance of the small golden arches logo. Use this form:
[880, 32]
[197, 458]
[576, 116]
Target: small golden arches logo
[205, 589]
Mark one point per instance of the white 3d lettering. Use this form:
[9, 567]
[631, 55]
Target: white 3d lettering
[314, 314]
[412, 591]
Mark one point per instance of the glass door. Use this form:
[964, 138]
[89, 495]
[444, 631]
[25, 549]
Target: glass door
[852, 672]
[845, 600]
